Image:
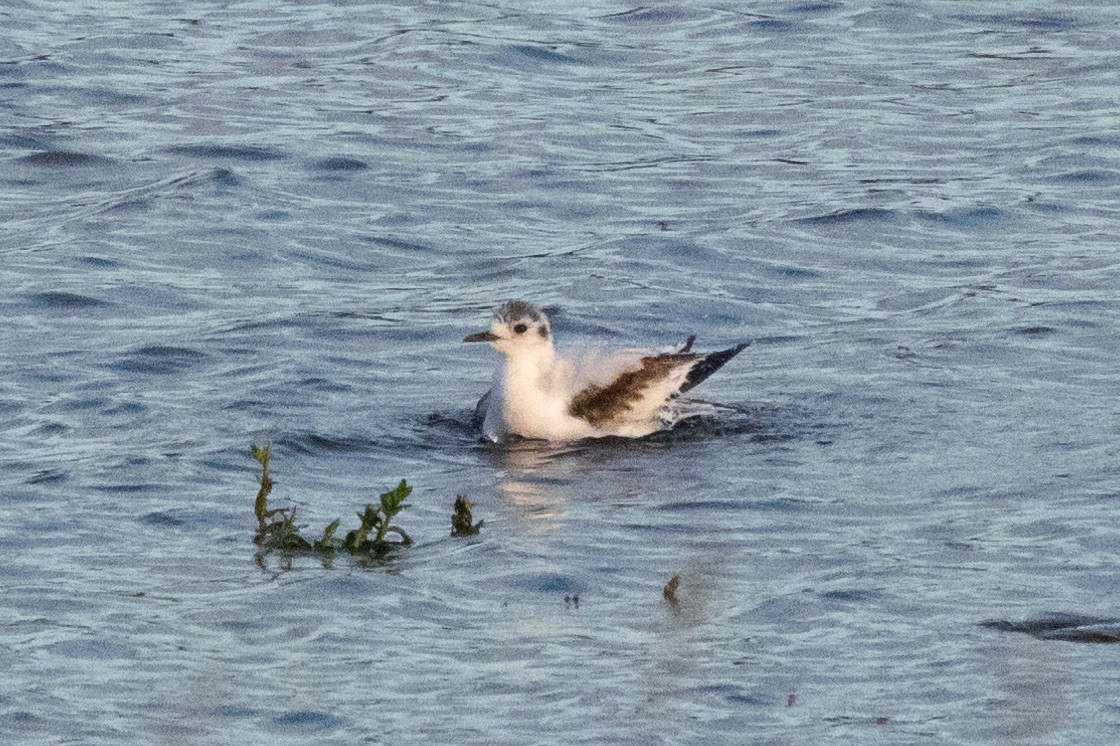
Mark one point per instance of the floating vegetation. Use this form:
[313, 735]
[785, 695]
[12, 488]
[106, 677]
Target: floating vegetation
[461, 519]
[277, 529]
[376, 521]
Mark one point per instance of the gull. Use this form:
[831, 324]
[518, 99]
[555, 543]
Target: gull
[590, 394]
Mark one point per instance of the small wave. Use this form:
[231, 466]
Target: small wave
[309, 721]
[168, 351]
[163, 518]
[159, 359]
[659, 15]
[548, 582]
[813, 8]
[537, 54]
[852, 595]
[397, 244]
[130, 488]
[60, 300]
[339, 163]
[47, 476]
[1035, 331]
[759, 423]
[688, 506]
[1039, 21]
[51, 428]
[66, 159]
[306, 442]
[457, 425]
[854, 215]
[774, 26]
[1097, 141]
[1088, 176]
[99, 262]
[966, 217]
[228, 152]
[1062, 626]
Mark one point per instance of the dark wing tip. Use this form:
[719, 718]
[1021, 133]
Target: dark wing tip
[709, 364]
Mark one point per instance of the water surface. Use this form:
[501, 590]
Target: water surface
[228, 223]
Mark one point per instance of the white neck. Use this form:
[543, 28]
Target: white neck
[526, 387]
[530, 368]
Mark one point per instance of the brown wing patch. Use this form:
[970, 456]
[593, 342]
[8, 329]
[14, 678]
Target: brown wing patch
[599, 404]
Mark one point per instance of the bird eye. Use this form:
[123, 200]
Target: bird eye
[520, 329]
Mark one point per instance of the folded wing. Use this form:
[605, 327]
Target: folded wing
[634, 394]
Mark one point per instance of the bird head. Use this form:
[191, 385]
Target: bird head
[516, 326]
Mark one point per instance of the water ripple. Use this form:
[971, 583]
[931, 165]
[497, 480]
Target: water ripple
[254, 220]
[64, 301]
[66, 159]
[245, 153]
[159, 360]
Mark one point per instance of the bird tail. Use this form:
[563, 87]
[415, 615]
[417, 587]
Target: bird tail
[709, 364]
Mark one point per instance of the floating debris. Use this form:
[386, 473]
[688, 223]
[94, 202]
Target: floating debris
[670, 591]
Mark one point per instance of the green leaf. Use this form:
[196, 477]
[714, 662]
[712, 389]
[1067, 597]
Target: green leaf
[284, 535]
[369, 518]
[328, 532]
[354, 539]
[393, 500]
[260, 454]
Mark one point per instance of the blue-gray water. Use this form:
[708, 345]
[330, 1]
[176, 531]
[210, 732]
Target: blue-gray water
[236, 222]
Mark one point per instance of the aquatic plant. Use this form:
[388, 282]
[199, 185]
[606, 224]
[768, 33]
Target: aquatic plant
[461, 524]
[326, 545]
[262, 454]
[376, 521]
[277, 529]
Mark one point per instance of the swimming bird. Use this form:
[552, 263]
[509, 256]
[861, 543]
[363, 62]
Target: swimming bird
[589, 394]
